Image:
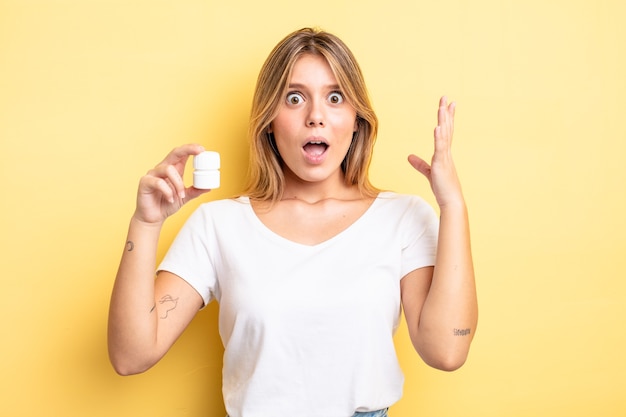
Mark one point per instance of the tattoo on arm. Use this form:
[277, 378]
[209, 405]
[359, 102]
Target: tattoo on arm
[130, 246]
[462, 332]
[170, 304]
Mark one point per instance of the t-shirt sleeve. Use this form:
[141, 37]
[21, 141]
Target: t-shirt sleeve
[420, 226]
[191, 255]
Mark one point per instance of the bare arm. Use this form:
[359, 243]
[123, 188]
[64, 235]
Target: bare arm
[440, 303]
[146, 316]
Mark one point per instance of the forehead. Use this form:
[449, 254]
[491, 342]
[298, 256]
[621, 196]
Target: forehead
[312, 68]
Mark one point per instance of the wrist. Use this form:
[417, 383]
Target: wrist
[138, 222]
[453, 206]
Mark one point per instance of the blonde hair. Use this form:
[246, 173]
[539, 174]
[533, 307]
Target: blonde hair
[266, 179]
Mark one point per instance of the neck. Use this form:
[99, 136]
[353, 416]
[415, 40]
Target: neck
[313, 192]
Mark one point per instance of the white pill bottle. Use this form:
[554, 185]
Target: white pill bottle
[206, 174]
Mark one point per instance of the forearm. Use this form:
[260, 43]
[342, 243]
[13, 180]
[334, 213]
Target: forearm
[132, 323]
[450, 312]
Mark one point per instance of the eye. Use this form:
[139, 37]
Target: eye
[294, 98]
[335, 97]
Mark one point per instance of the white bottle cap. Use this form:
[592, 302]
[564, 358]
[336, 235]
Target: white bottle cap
[206, 174]
[206, 161]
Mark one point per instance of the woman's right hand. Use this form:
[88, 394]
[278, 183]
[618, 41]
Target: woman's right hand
[162, 191]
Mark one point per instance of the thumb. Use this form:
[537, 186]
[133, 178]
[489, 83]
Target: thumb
[192, 192]
[420, 165]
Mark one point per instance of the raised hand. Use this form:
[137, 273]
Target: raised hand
[161, 191]
[441, 172]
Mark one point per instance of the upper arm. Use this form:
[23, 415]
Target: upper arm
[414, 288]
[175, 305]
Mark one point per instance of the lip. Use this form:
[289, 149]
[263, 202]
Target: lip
[312, 158]
[315, 139]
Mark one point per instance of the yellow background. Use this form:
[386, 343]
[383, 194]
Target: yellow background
[94, 93]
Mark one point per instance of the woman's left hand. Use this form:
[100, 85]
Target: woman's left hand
[441, 172]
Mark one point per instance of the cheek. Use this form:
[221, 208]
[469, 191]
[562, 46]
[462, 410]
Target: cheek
[347, 118]
[282, 123]
[346, 122]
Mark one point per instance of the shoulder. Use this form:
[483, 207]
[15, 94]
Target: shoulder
[226, 208]
[225, 204]
[407, 212]
[403, 202]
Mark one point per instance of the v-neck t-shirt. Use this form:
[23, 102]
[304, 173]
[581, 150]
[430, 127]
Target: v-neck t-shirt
[307, 329]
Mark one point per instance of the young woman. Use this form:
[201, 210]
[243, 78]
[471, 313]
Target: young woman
[313, 265]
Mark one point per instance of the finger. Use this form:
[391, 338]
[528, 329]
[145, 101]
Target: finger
[441, 114]
[163, 176]
[166, 189]
[449, 108]
[156, 185]
[192, 193]
[175, 180]
[451, 113]
[441, 142]
[420, 165]
[445, 123]
[171, 173]
[442, 117]
[452, 109]
[443, 101]
[183, 152]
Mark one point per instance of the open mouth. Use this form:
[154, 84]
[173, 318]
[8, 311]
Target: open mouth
[315, 148]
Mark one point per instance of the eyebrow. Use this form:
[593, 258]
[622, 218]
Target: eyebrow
[303, 86]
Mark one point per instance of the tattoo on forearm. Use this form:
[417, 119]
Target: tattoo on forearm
[462, 332]
[153, 307]
[130, 246]
[170, 304]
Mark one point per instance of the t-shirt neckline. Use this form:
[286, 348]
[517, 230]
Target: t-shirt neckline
[281, 239]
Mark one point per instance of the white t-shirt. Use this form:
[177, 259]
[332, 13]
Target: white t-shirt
[307, 330]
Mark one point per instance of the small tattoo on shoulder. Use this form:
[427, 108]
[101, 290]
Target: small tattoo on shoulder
[130, 246]
[170, 304]
[462, 332]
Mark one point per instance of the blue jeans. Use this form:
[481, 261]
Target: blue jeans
[379, 413]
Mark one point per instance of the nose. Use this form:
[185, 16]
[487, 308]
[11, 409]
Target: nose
[315, 117]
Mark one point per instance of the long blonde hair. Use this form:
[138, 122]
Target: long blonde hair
[266, 179]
